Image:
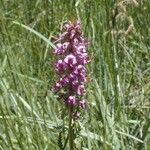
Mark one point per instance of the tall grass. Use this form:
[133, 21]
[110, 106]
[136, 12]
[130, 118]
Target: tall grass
[31, 117]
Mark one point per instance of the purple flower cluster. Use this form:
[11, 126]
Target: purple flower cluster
[72, 58]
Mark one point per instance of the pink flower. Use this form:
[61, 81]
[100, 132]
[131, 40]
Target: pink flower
[72, 34]
[81, 49]
[60, 66]
[75, 41]
[80, 69]
[59, 49]
[70, 60]
[81, 90]
[78, 25]
[64, 81]
[67, 27]
[57, 87]
[71, 101]
[82, 104]
[83, 59]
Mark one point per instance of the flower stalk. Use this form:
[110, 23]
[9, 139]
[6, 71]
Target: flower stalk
[71, 131]
[71, 68]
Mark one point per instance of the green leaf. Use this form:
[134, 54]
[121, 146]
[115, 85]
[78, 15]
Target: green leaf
[36, 33]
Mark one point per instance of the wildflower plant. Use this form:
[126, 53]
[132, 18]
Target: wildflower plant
[72, 58]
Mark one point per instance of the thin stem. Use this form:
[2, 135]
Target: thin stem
[70, 132]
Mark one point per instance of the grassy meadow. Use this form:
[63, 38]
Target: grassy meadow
[118, 92]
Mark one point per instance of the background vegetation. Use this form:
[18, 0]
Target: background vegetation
[118, 117]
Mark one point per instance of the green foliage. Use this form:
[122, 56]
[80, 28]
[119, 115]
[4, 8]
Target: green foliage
[31, 117]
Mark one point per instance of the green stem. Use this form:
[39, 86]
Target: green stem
[70, 132]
